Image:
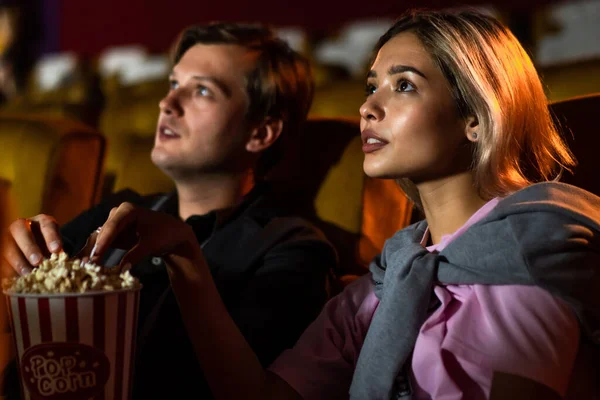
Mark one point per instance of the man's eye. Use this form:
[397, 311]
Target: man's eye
[203, 91]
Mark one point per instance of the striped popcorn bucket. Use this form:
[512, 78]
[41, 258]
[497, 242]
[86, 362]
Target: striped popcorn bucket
[75, 346]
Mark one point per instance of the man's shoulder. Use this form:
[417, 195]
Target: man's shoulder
[264, 227]
[266, 239]
[268, 218]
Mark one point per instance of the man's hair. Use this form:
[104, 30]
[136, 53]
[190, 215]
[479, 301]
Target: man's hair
[279, 87]
[492, 78]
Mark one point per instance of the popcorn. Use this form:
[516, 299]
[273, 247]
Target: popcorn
[59, 274]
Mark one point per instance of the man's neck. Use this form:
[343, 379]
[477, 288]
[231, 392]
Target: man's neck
[449, 203]
[212, 192]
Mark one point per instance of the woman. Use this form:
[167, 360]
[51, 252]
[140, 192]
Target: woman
[487, 297]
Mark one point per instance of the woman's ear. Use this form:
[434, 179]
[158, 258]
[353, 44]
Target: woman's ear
[264, 135]
[471, 128]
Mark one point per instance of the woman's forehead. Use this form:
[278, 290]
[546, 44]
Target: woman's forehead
[404, 48]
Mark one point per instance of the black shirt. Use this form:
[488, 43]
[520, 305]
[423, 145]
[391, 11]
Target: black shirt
[270, 269]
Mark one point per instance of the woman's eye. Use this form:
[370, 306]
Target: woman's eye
[370, 89]
[405, 86]
[173, 85]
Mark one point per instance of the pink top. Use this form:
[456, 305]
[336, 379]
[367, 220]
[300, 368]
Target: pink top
[478, 329]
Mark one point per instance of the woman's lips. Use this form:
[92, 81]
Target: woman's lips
[371, 141]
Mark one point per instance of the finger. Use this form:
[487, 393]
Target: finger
[119, 219]
[133, 256]
[50, 231]
[13, 256]
[25, 241]
[86, 251]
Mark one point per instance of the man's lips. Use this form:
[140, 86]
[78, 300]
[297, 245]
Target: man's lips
[165, 132]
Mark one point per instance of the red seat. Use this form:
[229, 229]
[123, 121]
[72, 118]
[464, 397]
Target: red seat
[577, 119]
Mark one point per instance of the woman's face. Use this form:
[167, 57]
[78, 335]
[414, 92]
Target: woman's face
[410, 125]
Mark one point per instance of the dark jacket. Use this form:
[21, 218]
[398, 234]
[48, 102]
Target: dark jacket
[271, 271]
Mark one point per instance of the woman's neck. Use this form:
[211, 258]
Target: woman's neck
[448, 203]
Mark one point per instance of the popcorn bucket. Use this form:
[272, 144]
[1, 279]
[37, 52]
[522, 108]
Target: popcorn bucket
[75, 345]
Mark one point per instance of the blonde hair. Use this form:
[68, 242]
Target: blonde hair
[492, 78]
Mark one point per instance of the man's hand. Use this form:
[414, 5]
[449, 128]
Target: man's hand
[29, 240]
[145, 232]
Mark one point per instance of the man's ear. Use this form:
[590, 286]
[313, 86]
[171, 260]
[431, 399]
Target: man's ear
[264, 135]
[471, 128]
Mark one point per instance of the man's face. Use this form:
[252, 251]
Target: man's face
[202, 125]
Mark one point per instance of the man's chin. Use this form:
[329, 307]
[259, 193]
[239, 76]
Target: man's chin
[166, 167]
[165, 164]
[176, 171]
[162, 160]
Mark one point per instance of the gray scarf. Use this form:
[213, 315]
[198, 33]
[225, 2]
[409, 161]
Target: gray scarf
[547, 235]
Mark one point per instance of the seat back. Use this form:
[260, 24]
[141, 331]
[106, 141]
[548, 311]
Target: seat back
[135, 168]
[323, 181]
[53, 166]
[129, 120]
[341, 98]
[576, 119]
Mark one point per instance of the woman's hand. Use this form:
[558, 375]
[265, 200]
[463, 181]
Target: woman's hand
[145, 232]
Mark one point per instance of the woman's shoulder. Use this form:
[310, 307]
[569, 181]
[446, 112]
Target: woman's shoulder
[519, 329]
[512, 313]
[555, 197]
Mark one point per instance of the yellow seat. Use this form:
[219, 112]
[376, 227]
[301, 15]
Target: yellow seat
[129, 124]
[566, 81]
[78, 97]
[136, 170]
[53, 166]
[338, 99]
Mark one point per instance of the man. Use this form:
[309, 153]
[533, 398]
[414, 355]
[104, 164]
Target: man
[237, 97]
